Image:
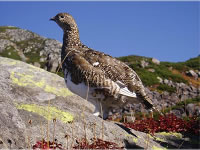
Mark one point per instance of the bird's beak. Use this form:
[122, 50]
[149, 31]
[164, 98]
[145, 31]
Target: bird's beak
[52, 19]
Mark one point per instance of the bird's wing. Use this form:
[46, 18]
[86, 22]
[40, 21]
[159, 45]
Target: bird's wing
[113, 69]
[91, 71]
[121, 74]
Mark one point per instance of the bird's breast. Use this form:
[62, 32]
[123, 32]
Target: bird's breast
[81, 89]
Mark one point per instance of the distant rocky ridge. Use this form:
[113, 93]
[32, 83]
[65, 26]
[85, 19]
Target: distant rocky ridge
[42, 52]
[30, 47]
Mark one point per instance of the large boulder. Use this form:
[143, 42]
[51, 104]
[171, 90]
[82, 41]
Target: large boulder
[36, 105]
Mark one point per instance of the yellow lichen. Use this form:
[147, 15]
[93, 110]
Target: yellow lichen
[40, 84]
[59, 92]
[178, 135]
[47, 112]
[157, 138]
[28, 80]
[9, 62]
[158, 148]
[135, 140]
[35, 68]
[12, 62]
[21, 79]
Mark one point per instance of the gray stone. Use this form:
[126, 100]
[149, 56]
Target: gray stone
[130, 118]
[156, 95]
[192, 88]
[151, 70]
[193, 95]
[197, 111]
[155, 61]
[160, 79]
[4, 44]
[147, 91]
[144, 64]
[198, 73]
[170, 68]
[166, 81]
[174, 97]
[42, 59]
[182, 85]
[165, 93]
[190, 109]
[42, 96]
[192, 73]
[170, 83]
[36, 64]
[21, 54]
[198, 90]
[185, 92]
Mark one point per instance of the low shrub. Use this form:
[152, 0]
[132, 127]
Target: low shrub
[164, 87]
[80, 144]
[167, 123]
[193, 63]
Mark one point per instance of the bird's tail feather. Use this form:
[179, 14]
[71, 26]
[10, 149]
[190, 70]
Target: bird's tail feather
[148, 103]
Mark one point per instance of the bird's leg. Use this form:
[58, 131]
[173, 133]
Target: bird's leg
[101, 110]
[97, 110]
[96, 113]
[105, 112]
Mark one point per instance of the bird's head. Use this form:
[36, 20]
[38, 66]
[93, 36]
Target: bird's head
[65, 21]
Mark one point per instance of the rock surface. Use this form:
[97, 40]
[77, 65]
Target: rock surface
[30, 93]
[36, 105]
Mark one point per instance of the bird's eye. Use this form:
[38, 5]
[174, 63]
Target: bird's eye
[62, 16]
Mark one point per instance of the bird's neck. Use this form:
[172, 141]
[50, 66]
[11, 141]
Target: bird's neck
[71, 39]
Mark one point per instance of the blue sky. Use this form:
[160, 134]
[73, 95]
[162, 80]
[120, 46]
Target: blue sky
[168, 31]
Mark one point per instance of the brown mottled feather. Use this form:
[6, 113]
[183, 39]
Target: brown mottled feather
[105, 73]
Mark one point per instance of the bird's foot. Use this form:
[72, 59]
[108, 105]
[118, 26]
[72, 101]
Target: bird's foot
[96, 114]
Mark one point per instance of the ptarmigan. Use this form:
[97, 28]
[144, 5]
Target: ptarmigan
[111, 82]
